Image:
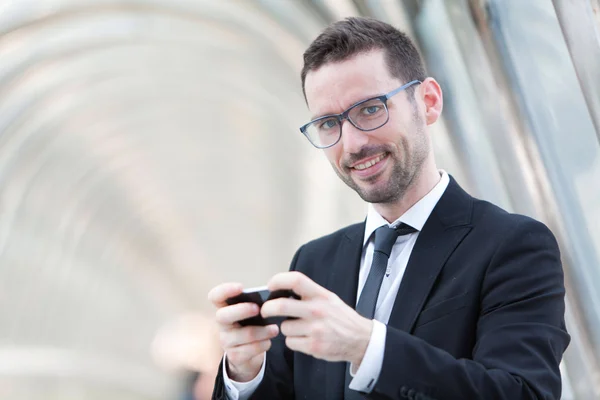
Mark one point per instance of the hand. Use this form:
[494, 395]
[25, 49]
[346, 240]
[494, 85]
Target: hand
[245, 346]
[326, 328]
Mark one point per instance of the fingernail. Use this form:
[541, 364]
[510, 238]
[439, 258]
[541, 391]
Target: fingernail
[273, 329]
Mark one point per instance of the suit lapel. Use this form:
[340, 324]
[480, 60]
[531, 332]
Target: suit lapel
[343, 280]
[445, 228]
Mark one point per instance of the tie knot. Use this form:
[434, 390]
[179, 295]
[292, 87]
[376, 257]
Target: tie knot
[385, 237]
[404, 229]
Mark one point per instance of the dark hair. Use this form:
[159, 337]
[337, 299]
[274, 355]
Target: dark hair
[351, 36]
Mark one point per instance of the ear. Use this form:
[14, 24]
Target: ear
[433, 100]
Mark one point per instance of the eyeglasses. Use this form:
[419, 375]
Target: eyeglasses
[366, 115]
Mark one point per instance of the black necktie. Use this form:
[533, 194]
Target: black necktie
[385, 237]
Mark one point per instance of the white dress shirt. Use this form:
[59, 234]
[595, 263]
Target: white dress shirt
[367, 374]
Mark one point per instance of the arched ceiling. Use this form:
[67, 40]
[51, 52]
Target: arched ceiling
[148, 150]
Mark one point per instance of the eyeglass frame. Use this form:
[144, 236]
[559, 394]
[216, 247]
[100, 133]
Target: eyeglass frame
[344, 115]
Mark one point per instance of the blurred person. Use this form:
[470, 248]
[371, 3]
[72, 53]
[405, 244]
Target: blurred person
[436, 295]
[189, 385]
[189, 345]
[199, 385]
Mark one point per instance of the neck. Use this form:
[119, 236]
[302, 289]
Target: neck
[422, 184]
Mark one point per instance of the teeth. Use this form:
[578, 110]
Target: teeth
[368, 163]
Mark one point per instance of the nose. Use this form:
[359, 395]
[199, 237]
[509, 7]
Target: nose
[353, 139]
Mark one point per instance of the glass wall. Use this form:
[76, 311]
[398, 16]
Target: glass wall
[521, 120]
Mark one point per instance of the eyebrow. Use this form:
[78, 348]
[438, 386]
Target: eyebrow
[313, 117]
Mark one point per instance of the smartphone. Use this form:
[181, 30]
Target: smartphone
[259, 295]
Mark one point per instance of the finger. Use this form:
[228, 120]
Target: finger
[224, 291]
[237, 312]
[247, 334]
[302, 344]
[295, 327]
[286, 308]
[302, 285]
[244, 353]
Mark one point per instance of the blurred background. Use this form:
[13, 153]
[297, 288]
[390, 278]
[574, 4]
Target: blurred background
[140, 140]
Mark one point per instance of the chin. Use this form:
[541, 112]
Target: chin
[375, 193]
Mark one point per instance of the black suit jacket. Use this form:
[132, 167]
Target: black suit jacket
[479, 313]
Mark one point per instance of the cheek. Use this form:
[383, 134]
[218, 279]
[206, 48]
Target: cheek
[392, 134]
[398, 130]
[396, 124]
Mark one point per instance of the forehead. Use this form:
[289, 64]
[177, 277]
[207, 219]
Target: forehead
[336, 86]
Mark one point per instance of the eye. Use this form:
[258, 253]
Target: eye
[370, 110]
[328, 124]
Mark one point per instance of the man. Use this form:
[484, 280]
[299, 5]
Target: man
[437, 295]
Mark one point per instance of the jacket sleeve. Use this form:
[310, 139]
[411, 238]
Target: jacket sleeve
[278, 382]
[520, 334]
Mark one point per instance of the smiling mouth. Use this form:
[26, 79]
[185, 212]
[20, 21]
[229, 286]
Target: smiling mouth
[370, 163]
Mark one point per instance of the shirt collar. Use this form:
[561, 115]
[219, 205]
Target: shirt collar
[416, 216]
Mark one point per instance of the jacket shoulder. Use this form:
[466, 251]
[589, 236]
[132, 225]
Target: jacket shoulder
[324, 251]
[491, 225]
[494, 220]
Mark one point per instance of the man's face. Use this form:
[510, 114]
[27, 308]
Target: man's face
[381, 164]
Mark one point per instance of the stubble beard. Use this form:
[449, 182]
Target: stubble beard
[405, 171]
[390, 191]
